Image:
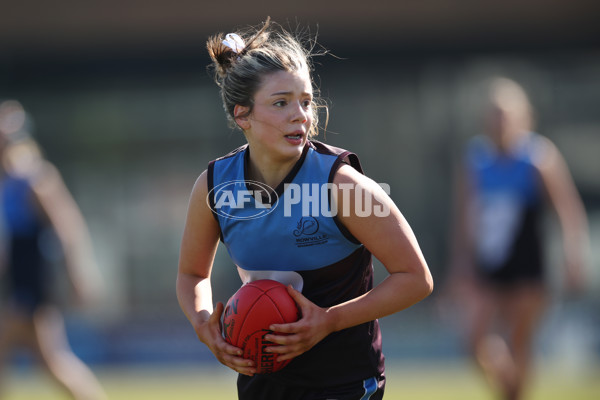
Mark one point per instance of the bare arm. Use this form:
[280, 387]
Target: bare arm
[387, 235]
[198, 249]
[461, 238]
[197, 254]
[67, 220]
[460, 283]
[390, 239]
[564, 198]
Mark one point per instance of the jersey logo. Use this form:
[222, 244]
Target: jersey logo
[306, 226]
[242, 199]
[307, 233]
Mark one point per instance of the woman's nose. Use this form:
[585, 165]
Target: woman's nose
[299, 113]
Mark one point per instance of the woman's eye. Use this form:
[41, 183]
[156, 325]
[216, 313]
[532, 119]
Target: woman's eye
[307, 103]
[280, 103]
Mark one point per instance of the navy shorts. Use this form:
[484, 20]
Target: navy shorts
[261, 387]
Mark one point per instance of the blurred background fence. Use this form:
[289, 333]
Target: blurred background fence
[123, 105]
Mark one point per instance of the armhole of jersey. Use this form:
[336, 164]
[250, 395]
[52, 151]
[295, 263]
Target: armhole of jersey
[211, 194]
[354, 163]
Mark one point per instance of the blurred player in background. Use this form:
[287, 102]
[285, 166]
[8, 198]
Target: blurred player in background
[506, 179]
[36, 207]
[335, 348]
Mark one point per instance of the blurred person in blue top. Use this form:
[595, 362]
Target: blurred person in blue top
[36, 209]
[508, 176]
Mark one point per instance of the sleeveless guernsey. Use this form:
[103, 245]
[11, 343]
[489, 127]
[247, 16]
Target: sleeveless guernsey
[290, 235]
[507, 210]
[28, 273]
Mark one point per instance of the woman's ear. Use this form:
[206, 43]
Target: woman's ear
[240, 115]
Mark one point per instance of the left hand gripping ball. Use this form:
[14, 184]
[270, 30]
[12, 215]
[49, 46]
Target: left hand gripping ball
[248, 315]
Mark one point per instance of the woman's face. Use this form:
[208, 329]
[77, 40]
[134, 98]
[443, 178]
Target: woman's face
[506, 118]
[281, 116]
[12, 119]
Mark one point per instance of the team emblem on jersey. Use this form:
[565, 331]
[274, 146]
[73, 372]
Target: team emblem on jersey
[307, 232]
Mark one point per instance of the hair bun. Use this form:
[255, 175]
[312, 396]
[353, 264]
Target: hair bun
[225, 50]
[222, 55]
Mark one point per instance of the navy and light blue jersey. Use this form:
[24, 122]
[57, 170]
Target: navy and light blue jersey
[508, 201]
[27, 273]
[283, 227]
[19, 210]
[290, 234]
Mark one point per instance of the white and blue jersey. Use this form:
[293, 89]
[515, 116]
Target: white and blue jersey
[508, 200]
[290, 234]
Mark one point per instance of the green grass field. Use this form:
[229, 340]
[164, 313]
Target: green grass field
[421, 381]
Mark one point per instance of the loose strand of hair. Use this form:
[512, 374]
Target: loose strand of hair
[261, 33]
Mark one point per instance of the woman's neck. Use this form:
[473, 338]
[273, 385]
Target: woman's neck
[265, 169]
[506, 140]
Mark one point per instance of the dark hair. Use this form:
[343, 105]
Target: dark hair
[267, 49]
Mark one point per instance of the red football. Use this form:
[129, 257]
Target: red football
[248, 315]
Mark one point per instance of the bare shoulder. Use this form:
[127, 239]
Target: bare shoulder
[546, 155]
[348, 178]
[201, 185]
[200, 234]
[198, 206]
[199, 211]
[347, 174]
[45, 178]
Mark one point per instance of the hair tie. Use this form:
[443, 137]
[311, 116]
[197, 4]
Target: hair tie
[234, 42]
